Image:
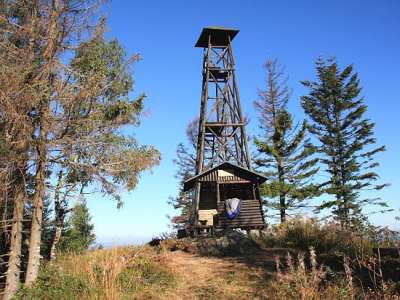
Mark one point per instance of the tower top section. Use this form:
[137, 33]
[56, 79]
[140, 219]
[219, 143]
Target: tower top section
[219, 36]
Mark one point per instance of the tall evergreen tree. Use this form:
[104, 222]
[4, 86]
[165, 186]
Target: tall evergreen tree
[347, 142]
[285, 154]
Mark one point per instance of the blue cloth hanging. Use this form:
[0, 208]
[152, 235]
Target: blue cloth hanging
[232, 208]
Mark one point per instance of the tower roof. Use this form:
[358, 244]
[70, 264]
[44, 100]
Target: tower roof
[219, 36]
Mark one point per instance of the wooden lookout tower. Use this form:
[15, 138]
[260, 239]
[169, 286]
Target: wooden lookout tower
[223, 163]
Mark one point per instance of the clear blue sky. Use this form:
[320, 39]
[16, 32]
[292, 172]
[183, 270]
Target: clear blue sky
[363, 32]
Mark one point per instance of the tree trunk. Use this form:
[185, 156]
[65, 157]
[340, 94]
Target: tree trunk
[37, 214]
[36, 226]
[57, 238]
[282, 208]
[282, 194]
[58, 211]
[14, 260]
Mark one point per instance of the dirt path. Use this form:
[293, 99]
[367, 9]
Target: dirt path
[200, 277]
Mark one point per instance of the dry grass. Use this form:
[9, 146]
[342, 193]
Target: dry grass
[146, 273]
[297, 281]
[101, 268]
[303, 233]
[118, 273]
[305, 284]
[167, 272]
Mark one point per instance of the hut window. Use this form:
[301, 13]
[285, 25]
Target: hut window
[243, 191]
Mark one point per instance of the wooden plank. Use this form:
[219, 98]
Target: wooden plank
[240, 220]
[233, 181]
[244, 211]
[259, 219]
[218, 196]
[247, 217]
[242, 216]
[253, 208]
[247, 202]
[250, 209]
[221, 205]
[251, 215]
[255, 227]
[239, 225]
[244, 205]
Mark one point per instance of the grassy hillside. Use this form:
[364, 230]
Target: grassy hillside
[233, 267]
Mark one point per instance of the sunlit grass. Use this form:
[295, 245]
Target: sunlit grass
[176, 270]
[118, 273]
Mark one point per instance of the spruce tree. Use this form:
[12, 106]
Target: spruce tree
[347, 143]
[79, 235]
[285, 154]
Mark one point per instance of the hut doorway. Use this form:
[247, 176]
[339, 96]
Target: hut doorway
[208, 196]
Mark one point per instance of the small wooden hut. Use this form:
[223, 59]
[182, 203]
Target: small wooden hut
[223, 182]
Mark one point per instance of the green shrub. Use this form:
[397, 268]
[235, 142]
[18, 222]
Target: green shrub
[54, 284]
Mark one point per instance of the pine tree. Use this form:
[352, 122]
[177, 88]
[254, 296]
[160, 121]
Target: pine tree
[285, 154]
[347, 142]
[79, 235]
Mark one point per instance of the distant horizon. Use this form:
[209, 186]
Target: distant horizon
[110, 242]
[132, 240]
